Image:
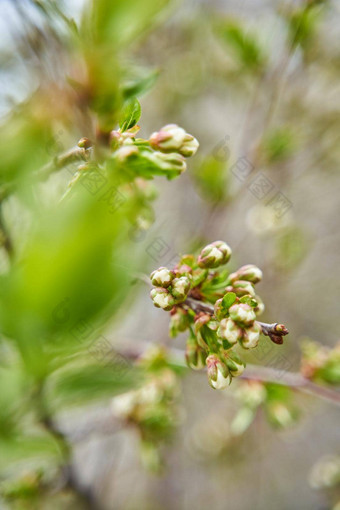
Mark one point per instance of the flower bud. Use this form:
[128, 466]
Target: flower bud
[230, 331]
[162, 298]
[251, 336]
[162, 277]
[167, 162]
[172, 138]
[125, 152]
[194, 354]
[242, 313]
[218, 374]
[235, 365]
[249, 273]
[241, 288]
[179, 322]
[214, 255]
[220, 311]
[180, 288]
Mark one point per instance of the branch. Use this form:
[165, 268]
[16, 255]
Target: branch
[275, 331]
[67, 158]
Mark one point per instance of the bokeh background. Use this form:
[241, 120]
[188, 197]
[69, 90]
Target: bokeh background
[257, 83]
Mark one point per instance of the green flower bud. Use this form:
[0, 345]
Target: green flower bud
[162, 277]
[220, 310]
[172, 138]
[180, 288]
[251, 336]
[124, 153]
[242, 313]
[241, 288]
[162, 298]
[235, 365]
[230, 331]
[179, 322]
[249, 273]
[214, 255]
[167, 162]
[218, 374]
[195, 355]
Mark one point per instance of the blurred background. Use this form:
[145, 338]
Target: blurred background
[257, 83]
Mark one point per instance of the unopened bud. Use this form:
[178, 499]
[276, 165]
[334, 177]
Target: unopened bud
[162, 277]
[241, 288]
[235, 365]
[172, 138]
[162, 298]
[251, 336]
[218, 374]
[167, 162]
[179, 322]
[84, 143]
[194, 354]
[230, 331]
[242, 313]
[180, 288]
[249, 273]
[125, 152]
[214, 255]
[220, 311]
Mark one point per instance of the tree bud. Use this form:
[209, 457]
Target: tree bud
[242, 313]
[180, 288]
[214, 255]
[249, 273]
[162, 277]
[218, 374]
[251, 336]
[230, 331]
[241, 288]
[172, 138]
[162, 298]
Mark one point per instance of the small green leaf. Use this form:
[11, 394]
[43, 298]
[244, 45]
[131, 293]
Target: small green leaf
[229, 299]
[249, 301]
[130, 115]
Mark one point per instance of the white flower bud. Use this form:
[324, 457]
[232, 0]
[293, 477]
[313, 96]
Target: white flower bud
[251, 336]
[125, 152]
[236, 365]
[166, 162]
[242, 288]
[214, 255]
[218, 373]
[162, 298]
[172, 138]
[162, 277]
[250, 272]
[180, 288]
[242, 313]
[229, 330]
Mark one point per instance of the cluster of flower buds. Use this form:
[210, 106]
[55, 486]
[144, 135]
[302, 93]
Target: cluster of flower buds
[320, 362]
[219, 309]
[164, 153]
[171, 287]
[152, 407]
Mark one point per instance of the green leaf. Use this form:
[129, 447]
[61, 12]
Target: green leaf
[229, 299]
[130, 115]
[248, 300]
[243, 45]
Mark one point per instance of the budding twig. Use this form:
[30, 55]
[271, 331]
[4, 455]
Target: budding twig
[67, 158]
[274, 331]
